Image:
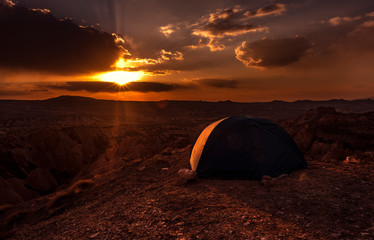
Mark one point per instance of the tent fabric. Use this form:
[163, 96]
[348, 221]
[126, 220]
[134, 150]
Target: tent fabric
[245, 148]
[198, 148]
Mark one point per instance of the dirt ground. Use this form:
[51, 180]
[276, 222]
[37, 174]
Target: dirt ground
[147, 200]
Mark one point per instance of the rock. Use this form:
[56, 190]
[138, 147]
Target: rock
[345, 134]
[67, 150]
[8, 195]
[267, 181]
[318, 148]
[25, 193]
[367, 156]
[304, 139]
[320, 111]
[187, 174]
[336, 152]
[41, 180]
[9, 167]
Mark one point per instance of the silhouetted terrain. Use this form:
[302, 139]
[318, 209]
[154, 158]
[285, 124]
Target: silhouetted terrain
[74, 167]
[88, 110]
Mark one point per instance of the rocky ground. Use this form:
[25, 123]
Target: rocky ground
[146, 200]
[128, 186]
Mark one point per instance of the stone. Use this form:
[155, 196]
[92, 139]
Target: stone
[18, 187]
[41, 180]
[187, 174]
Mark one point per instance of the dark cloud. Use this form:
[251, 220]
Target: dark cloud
[151, 87]
[13, 93]
[218, 83]
[33, 39]
[109, 87]
[272, 52]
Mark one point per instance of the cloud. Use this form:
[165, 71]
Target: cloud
[109, 87]
[218, 28]
[336, 21]
[227, 22]
[370, 14]
[339, 20]
[168, 55]
[8, 3]
[34, 40]
[217, 83]
[189, 64]
[223, 23]
[19, 89]
[359, 40]
[273, 9]
[168, 29]
[4, 93]
[369, 23]
[272, 52]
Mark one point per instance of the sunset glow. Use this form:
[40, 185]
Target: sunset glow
[211, 50]
[120, 77]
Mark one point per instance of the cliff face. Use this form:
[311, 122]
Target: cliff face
[45, 158]
[327, 134]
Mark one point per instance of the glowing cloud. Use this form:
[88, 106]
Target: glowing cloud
[168, 29]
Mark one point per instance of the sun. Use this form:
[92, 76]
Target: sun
[120, 77]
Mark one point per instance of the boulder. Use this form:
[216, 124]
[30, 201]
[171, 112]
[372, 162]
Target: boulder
[41, 180]
[8, 196]
[318, 148]
[187, 174]
[336, 152]
[18, 187]
[304, 139]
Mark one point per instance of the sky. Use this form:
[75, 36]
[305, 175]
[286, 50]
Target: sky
[211, 50]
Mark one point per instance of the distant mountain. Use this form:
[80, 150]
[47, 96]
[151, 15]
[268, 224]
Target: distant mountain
[76, 107]
[369, 98]
[68, 98]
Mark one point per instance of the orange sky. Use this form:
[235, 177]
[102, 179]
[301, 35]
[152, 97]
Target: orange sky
[203, 50]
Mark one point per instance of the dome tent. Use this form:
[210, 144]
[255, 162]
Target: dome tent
[245, 148]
